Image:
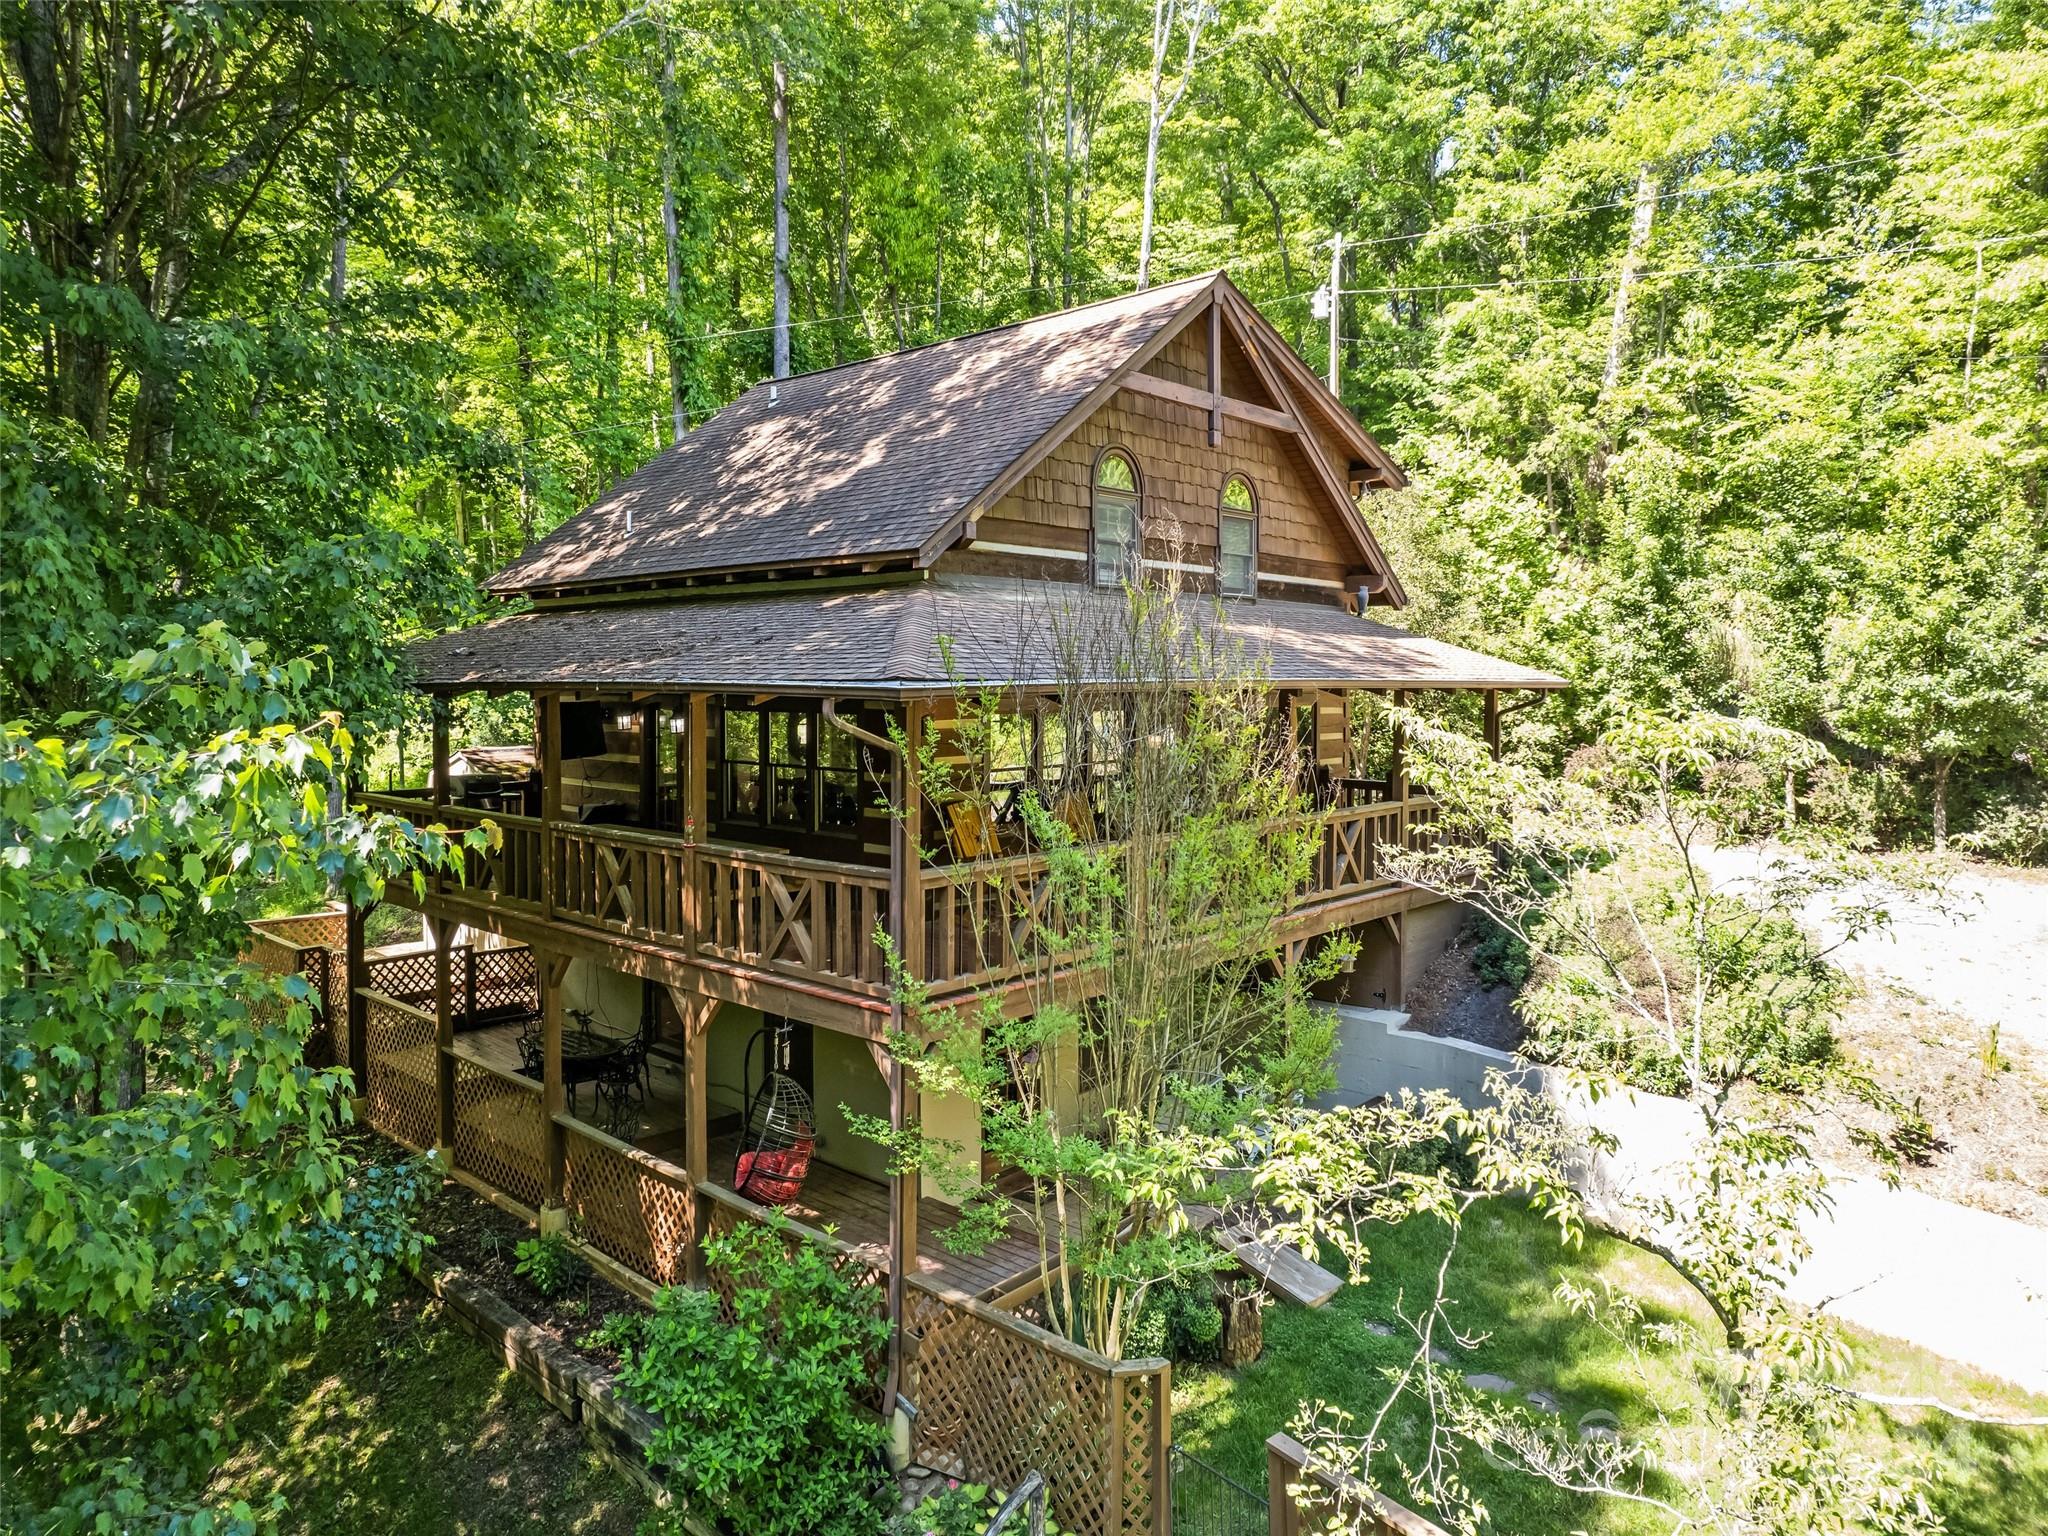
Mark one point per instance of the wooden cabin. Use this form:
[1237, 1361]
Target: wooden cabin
[722, 653]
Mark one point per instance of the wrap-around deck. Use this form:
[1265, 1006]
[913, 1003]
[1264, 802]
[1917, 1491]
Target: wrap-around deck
[743, 919]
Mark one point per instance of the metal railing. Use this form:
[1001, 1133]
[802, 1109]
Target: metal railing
[1207, 1502]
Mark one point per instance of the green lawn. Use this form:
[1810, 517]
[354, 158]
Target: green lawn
[400, 1424]
[1986, 1479]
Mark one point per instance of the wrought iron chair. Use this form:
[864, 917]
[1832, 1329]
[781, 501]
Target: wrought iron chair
[618, 1090]
[532, 1058]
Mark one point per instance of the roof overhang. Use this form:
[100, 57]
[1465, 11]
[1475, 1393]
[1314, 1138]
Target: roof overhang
[887, 641]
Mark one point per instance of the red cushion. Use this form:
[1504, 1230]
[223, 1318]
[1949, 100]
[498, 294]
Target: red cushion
[773, 1178]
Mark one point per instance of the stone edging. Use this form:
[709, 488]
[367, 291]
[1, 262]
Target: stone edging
[578, 1388]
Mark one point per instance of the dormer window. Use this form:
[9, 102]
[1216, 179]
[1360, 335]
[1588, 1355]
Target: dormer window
[1116, 521]
[1237, 540]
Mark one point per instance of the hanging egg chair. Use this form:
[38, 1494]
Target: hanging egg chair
[780, 1133]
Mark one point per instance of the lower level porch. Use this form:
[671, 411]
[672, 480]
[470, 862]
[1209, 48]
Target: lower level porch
[649, 1117]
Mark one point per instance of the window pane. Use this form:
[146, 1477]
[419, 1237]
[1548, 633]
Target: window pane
[742, 736]
[839, 807]
[1114, 473]
[1234, 561]
[1114, 519]
[743, 791]
[786, 737]
[836, 749]
[789, 798]
[1237, 494]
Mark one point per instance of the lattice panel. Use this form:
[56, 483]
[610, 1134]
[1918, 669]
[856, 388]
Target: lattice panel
[398, 1046]
[1146, 1495]
[501, 1132]
[626, 1209]
[502, 983]
[328, 928]
[318, 967]
[409, 978]
[994, 1402]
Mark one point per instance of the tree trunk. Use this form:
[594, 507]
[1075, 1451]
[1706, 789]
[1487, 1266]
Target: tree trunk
[1067, 160]
[778, 110]
[1151, 189]
[1624, 287]
[678, 416]
[1940, 808]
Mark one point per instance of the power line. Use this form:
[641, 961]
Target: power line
[1579, 210]
[1603, 279]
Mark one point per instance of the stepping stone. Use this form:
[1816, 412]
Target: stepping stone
[1486, 1381]
[1601, 1433]
[1541, 1399]
[1384, 1330]
[1438, 1357]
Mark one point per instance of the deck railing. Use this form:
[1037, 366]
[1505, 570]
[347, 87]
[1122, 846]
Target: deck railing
[802, 917]
[816, 920]
[987, 922]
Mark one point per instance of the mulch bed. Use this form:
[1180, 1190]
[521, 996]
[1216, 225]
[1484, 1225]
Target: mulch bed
[1448, 999]
[482, 1240]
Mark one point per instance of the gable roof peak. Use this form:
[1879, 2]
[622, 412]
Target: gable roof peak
[870, 462]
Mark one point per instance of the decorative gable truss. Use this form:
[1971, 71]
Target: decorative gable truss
[1215, 394]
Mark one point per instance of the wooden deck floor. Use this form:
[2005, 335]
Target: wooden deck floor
[855, 1207]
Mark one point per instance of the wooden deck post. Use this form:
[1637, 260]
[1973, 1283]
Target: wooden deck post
[1492, 718]
[696, 1012]
[548, 758]
[906, 923]
[1282, 1518]
[550, 970]
[1397, 761]
[438, 773]
[355, 977]
[696, 800]
[443, 930]
[650, 767]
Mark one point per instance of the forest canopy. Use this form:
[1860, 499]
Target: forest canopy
[1714, 336]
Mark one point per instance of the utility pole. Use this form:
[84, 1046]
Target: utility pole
[1336, 302]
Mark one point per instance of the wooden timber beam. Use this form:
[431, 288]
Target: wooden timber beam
[1215, 373]
[1215, 402]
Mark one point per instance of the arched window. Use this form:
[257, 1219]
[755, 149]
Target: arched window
[1237, 539]
[1116, 521]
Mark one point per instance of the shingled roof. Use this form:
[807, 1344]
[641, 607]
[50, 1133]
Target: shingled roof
[866, 462]
[885, 640]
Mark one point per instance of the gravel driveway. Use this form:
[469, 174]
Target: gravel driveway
[1979, 949]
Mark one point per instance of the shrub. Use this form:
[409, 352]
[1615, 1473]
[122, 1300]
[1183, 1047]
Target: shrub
[1501, 958]
[548, 1264]
[2010, 830]
[964, 1509]
[1179, 1320]
[762, 1419]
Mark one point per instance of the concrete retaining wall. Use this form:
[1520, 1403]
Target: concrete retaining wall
[1378, 1055]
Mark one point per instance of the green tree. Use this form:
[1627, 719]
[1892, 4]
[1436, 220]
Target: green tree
[176, 1200]
[1938, 657]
